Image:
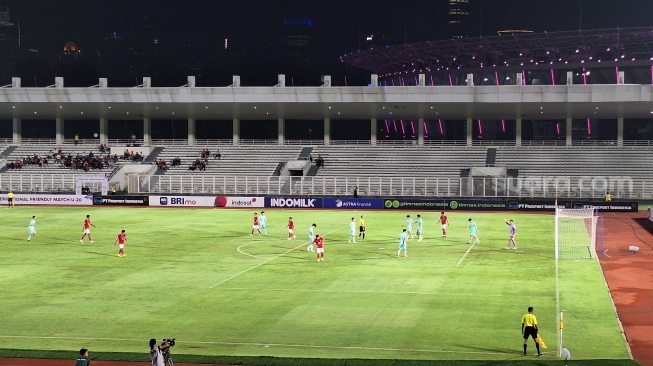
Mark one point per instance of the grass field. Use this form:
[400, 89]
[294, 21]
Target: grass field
[196, 275]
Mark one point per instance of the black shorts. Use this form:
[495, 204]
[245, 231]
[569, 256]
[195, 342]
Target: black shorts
[361, 229]
[10, 200]
[530, 332]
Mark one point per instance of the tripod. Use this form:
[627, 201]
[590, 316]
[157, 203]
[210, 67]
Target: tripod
[167, 360]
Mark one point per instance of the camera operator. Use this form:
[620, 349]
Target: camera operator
[156, 354]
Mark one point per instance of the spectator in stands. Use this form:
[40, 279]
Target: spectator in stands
[162, 165]
[217, 155]
[76, 138]
[319, 161]
[196, 164]
[608, 197]
[113, 189]
[176, 161]
[355, 192]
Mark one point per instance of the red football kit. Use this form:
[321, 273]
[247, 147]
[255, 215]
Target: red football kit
[122, 238]
[319, 242]
[87, 224]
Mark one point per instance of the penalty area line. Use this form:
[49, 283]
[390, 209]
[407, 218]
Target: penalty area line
[268, 260]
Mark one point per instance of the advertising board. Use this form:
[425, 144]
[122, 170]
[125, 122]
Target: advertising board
[293, 202]
[49, 199]
[121, 200]
[206, 201]
[445, 204]
[353, 203]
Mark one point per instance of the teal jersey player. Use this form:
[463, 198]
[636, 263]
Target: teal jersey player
[311, 238]
[263, 223]
[473, 232]
[403, 244]
[31, 230]
[419, 227]
[409, 226]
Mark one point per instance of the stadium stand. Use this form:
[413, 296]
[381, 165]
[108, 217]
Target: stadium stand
[50, 174]
[233, 168]
[375, 170]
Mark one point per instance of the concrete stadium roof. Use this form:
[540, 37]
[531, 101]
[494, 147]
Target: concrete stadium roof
[316, 103]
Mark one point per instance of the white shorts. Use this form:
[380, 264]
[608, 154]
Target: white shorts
[255, 227]
[87, 231]
[121, 246]
[290, 231]
[444, 226]
[320, 250]
[352, 232]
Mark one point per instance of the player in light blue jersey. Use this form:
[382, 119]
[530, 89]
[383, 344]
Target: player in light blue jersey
[263, 223]
[419, 226]
[409, 226]
[352, 230]
[473, 230]
[513, 232]
[31, 230]
[311, 238]
[403, 244]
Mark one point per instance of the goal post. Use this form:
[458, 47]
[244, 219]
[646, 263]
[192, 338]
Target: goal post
[575, 233]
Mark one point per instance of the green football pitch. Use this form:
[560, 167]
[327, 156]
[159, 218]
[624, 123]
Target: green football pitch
[196, 275]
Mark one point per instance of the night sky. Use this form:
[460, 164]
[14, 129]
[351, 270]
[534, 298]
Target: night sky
[339, 25]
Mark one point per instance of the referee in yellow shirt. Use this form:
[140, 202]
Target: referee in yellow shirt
[361, 227]
[10, 199]
[529, 328]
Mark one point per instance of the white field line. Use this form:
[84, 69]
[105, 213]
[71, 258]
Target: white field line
[251, 255]
[467, 252]
[266, 345]
[268, 260]
[375, 292]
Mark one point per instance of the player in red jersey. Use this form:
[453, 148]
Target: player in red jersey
[444, 221]
[87, 229]
[319, 243]
[256, 225]
[122, 238]
[291, 228]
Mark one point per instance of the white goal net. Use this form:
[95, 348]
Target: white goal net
[575, 233]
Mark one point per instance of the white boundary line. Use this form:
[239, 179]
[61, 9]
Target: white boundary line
[373, 292]
[268, 260]
[275, 345]
[467, 252]
[251, 255]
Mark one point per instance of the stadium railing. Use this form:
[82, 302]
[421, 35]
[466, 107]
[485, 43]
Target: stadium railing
[309, 142]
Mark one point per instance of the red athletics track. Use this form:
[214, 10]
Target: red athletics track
[630, 278]
[40, 362]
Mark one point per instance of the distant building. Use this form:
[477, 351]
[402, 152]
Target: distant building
[460, 18]
[9, 43]
[70, 52]
[297, 39]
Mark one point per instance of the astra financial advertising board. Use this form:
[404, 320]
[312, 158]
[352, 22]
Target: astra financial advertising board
[353, 203]
[444, 204]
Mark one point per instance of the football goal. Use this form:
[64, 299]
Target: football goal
[576, 233]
